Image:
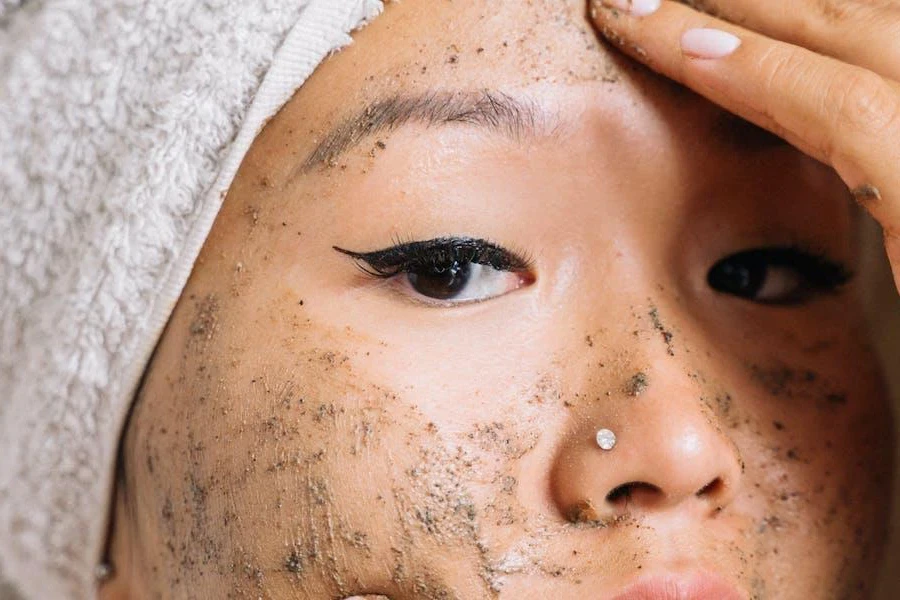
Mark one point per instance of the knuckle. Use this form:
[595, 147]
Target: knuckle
[779, 67]
[848, 111]
[836, 14]
[836, 11]
[783, 72]
[861, 104]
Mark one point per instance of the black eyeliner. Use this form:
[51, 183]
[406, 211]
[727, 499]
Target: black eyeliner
[437, 255]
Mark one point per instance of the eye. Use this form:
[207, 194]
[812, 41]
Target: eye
[466, 282]
[784, 275]
[448, 271]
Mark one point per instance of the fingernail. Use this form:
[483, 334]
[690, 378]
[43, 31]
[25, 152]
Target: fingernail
[709, 43]
[638, 8]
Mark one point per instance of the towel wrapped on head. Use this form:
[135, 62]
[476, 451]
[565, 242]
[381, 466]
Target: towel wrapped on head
[122, 125]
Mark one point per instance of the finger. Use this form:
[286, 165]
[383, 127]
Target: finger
[843, 115]
[861, 32]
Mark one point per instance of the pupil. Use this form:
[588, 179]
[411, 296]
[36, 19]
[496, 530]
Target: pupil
[441, 284]
[738, 275]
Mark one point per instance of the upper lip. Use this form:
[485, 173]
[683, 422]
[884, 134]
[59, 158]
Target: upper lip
[699, 586]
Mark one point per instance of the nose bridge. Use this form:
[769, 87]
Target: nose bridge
[670, 452]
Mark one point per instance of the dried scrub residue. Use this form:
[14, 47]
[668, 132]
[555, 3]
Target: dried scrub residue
[783, 381]
[637, 384]
[206, 319]
[664, 332]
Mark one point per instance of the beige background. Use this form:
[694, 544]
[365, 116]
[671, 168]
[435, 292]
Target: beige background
[885, 310]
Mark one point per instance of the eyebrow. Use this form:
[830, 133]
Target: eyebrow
[495, 111]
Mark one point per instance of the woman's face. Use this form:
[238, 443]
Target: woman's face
[552, 242]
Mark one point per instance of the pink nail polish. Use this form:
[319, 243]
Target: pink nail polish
[709, 43]
[638, 8]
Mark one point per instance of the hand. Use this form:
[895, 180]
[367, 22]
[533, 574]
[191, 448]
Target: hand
[822, 74]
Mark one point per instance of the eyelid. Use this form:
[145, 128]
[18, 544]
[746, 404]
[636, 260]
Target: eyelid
[817, 274]
[405, 256]
[820, 269]
[512, 269]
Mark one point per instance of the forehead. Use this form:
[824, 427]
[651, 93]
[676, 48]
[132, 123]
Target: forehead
[520, 41]
[418, 49]
[540, 52]
[417, 46]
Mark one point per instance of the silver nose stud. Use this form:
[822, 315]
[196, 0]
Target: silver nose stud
[606, 439]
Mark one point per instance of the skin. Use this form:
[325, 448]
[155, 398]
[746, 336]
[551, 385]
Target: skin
[304, 431]
[822, 74]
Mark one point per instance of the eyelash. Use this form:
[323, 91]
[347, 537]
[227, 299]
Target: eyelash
[817, 273]
[437, 254]
[819, 270]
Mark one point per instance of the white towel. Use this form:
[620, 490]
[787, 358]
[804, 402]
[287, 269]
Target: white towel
[122, 124]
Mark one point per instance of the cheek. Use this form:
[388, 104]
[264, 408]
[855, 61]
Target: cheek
[257, 470]
[817, 449]
[271, 457]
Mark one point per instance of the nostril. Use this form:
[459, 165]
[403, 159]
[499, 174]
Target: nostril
[713, 488]
[625, 492]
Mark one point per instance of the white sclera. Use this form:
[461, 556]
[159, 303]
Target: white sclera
[606, 439]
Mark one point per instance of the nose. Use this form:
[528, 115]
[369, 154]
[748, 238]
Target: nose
[670, 454]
